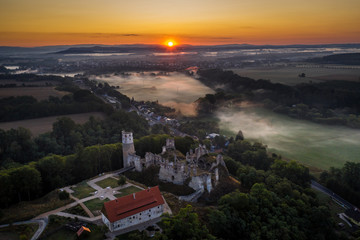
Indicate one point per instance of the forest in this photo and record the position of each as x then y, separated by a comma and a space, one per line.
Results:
344, 181
330, 102
271, 200
21, 181
274, 201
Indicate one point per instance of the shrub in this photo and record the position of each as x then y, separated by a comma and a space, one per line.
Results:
63, 195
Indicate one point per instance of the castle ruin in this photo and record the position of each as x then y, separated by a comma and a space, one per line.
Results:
197, 169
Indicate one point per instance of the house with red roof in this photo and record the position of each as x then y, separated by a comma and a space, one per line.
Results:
133, 209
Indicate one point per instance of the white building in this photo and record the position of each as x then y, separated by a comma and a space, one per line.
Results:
133, 209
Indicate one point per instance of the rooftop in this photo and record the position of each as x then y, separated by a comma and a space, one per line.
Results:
132, 204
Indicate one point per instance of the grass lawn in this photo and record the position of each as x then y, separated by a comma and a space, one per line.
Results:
5, 235
15, 232
127, 191
69, 235
113, 183
38, 126
28, 210
174, 203
125, 236
62, 234
95, 205
82, 190
77, 210
54, 231
335, 209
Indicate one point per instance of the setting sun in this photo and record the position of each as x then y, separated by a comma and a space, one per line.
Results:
170, 44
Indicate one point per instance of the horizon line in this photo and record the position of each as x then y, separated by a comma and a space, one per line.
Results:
185, 44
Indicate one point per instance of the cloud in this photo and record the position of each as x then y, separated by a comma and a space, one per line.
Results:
100, 35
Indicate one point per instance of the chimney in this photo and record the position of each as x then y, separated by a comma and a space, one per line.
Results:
134, 196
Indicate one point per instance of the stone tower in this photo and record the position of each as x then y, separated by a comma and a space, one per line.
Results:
127, 147
170, 143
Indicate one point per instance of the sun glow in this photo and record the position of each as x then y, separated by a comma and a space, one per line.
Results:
170, 43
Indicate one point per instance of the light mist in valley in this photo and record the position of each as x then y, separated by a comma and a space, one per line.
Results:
318, 145
174, 89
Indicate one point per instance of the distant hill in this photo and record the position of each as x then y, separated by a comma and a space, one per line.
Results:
134, 48
161, 48
346, 58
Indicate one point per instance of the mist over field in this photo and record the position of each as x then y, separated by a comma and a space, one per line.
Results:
174, 89
321, 146
290, 75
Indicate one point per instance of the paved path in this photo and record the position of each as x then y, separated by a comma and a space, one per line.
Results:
340, 200
85, 219
101, 193
42, 225
342, 217
82, 205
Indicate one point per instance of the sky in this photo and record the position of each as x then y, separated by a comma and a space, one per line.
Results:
197, 22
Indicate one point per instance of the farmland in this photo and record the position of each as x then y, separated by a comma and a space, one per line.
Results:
40, 93
290, 75
42, 125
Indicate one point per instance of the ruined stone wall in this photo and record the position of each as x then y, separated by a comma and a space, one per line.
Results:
170, 143
201, 182
134, 160
174, 173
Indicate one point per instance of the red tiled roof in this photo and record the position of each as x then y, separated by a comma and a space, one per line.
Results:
127, 206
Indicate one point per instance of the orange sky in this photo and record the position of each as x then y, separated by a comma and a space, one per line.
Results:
50, 22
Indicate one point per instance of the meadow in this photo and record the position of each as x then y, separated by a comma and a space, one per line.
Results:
40, 93
317, 146
290, 75
39, 126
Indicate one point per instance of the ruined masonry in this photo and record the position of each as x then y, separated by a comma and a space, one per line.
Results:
197, 169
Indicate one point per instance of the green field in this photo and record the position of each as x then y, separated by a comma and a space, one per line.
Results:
82, 190
127, 191
14, 232
335, 209
26, 210
315, 145
77, 210
95, 205
55, 231
289, 75
62, 234
39, 126
108, 182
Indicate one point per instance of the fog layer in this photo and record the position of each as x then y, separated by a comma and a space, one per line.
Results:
175, 89
313, 144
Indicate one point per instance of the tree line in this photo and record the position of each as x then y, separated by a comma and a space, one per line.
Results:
27, 107
330, 102
275, 201
344, 181
20, 182
18, 146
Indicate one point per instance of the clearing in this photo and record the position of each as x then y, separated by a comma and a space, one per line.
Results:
76, 210
26, 210
39, 126
108, 182
95, 205
82, 190
127, 191
15, 232
290, 75
40, 93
